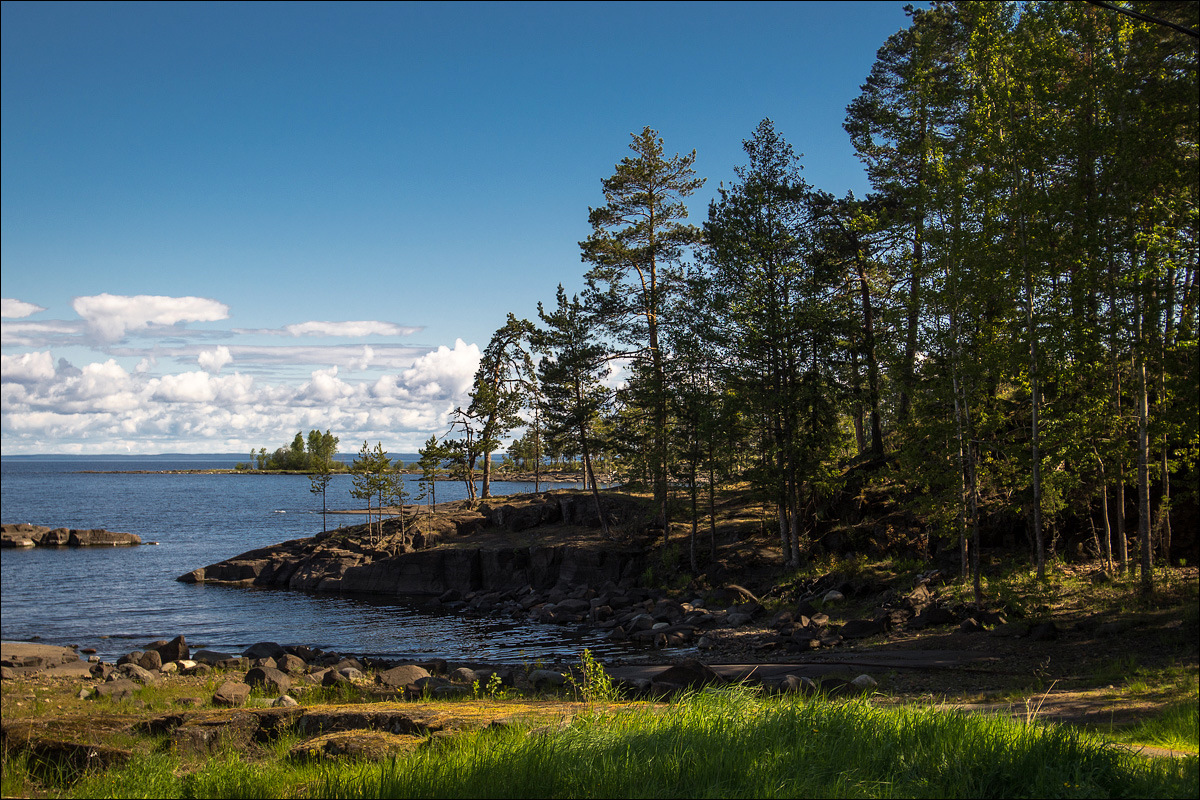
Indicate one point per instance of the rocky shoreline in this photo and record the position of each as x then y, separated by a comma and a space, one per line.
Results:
591, 586
25, 535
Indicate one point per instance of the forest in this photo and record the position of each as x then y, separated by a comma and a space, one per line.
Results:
1003, 330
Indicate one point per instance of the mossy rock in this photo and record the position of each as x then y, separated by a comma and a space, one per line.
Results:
361, 745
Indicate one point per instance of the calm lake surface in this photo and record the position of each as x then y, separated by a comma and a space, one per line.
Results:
116, 599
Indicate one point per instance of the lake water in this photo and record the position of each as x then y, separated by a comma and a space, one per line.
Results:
116, 599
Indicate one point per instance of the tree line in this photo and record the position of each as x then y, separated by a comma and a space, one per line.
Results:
1005, 325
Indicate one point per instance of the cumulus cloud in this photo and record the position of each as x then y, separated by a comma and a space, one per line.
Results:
213, 360
17, 309
27, 367
109, 317
105, 407
443, 372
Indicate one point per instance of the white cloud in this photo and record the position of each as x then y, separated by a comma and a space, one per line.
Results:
106, 408
17, 309
444, 372
46, 333
213, 360
27, 367
352, 329
361, 364
109, 317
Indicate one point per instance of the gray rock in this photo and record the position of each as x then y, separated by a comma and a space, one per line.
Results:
174, 650
211, 657
333, 677
401, 676
464, 675
264, 650
291, 664
833, 596
864, 683
131, 657
352, 673
150, 660
270, 680
798, 684
135, 673
120, 689
231, 693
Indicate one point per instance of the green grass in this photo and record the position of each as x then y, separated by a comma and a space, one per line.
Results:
734, 744
727, 743
1176, 728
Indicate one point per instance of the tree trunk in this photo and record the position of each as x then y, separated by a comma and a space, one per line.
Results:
1147, 578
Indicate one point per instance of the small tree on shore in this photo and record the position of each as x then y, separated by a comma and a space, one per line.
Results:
322, 448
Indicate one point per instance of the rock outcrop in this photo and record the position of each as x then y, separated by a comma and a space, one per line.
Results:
340, 562
25, 535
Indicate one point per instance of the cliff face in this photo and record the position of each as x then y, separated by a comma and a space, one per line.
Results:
296, 565
340, 562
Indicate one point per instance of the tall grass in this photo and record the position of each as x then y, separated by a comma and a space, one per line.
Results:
728, 743
1177, 728
734, 744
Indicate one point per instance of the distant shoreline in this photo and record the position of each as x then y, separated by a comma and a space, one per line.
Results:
520, 478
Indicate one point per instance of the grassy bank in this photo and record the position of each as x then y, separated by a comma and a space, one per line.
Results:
718, 743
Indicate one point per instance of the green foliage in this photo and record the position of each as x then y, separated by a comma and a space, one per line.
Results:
593, 685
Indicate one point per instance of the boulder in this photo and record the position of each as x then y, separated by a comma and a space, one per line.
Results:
863, 628
211, 657
798, 684
174, 650
150, 660
933, 615
464, 675
231, 693
334, 677
864, 683
120, 689
131, 657
136, 673
291, 664
401, 676
264, 650
270, 680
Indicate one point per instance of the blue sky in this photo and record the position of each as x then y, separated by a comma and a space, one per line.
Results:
222, 223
